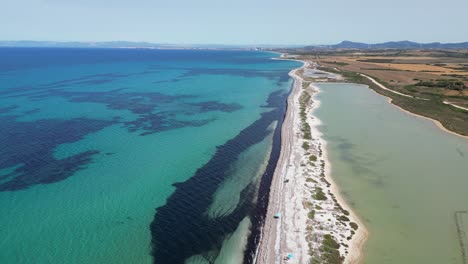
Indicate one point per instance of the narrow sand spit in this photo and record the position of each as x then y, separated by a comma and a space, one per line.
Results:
355, 254
295, 180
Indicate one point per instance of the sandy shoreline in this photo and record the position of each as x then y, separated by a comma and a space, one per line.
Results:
295, 232
436, 122
268, 249
355, 254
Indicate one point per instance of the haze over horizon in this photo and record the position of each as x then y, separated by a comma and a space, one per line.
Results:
241, 23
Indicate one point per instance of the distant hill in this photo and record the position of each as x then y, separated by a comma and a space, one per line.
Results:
392, 45
130, 44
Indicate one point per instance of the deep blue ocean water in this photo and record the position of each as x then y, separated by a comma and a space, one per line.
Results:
136, 155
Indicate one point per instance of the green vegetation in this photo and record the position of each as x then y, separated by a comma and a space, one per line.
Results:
444, 83
337, 63
411, 88
304, 101
343, 218
305, 145
306, 130
313, 158
311, 214
382, 69
319, 195
377, 60
308, 205
451, 54
329, 251
314, 261
353, 225
464, 77
311, 180
330, 242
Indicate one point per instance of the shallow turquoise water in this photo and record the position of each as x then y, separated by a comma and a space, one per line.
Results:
405, 178
95, 140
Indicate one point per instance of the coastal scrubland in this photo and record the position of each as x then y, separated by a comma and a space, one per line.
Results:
315, 224
328, 221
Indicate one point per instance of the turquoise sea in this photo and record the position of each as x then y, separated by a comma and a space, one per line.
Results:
136, 155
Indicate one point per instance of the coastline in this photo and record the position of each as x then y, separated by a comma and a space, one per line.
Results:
268, 248
390, 100
290, 191
355, 254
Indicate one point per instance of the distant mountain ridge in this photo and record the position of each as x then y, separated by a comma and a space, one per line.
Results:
392, 45
130, 44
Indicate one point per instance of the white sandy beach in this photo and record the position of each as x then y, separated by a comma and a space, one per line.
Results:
355, 254
293, 184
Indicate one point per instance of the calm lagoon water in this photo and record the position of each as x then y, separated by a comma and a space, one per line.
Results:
405, 178
135, 156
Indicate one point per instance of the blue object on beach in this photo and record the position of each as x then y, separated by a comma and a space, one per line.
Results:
290, 256
278, 215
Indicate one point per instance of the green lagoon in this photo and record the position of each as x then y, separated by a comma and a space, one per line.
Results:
404, 177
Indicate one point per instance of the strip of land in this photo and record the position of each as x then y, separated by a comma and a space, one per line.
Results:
307, 220
313, 224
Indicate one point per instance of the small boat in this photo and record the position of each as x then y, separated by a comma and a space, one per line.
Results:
278, 215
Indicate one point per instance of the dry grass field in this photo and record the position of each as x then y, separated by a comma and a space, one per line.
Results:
402, 70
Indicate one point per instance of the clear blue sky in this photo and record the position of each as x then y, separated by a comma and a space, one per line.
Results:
236, 21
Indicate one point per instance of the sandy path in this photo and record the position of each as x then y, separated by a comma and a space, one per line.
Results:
390, 90
454, 105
